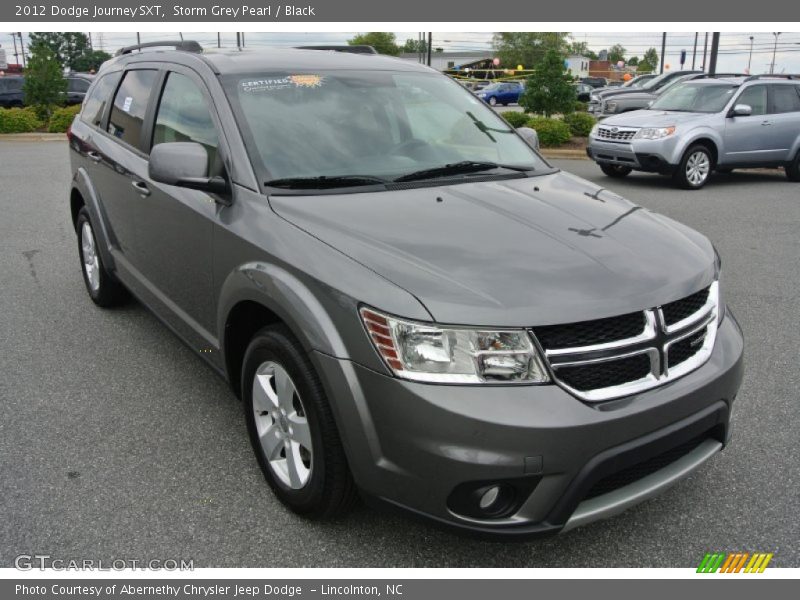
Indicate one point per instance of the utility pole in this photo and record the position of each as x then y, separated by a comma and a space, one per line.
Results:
750, 58
712, 67
138, 40
705, 51
22, 48
238, 41
430, 43
219, 40
694, 52
774, 52
243, 40
663, 49
16, 52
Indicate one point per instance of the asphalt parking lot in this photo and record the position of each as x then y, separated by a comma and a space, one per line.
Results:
117, 442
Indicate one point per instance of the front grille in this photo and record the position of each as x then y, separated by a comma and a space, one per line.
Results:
643, 469
592, 376
608, 133
590, 333
686, 348
686, 307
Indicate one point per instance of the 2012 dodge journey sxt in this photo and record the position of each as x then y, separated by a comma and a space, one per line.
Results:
411, 303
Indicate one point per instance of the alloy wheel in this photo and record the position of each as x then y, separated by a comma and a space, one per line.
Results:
91, 264
698, 166
282, 425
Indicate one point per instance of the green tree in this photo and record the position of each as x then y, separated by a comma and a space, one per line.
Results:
383, 41
528, 48
549, 90
633, 61
67, 47
649, 62
415, 46
45, 86
90, 61
616, 53
581, 49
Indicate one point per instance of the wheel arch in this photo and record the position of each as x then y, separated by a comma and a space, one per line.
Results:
83, 193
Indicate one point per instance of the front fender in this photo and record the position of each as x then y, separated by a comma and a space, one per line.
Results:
695, 135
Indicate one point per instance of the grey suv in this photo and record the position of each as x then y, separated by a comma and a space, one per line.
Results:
704, 125
410, 302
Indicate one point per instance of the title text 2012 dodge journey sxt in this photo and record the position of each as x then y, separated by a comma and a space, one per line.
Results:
411, 303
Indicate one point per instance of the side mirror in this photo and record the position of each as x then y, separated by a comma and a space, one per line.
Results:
742, 110
184, 164
530, 136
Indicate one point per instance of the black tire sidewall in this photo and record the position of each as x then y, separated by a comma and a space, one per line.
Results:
793, 169
617, 171
272, 345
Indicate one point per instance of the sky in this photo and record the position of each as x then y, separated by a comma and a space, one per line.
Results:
733, 56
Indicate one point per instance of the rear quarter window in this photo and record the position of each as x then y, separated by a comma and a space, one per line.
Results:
94, 107
785, 98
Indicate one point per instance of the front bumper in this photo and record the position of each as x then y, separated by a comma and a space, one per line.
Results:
412, 444
656, 156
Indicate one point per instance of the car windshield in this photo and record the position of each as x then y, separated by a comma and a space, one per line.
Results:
371, 124
655, 81
695, 97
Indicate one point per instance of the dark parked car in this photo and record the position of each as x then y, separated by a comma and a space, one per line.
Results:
409, 300
582, 90
11, 91
595, 82
655, 84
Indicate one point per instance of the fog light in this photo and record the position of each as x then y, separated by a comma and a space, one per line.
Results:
489, 497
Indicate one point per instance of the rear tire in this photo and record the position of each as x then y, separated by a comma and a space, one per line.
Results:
291, 427
616, 171
103, 289
694, 169
793, 169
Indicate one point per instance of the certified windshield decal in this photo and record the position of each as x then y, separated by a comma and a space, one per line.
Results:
279, 83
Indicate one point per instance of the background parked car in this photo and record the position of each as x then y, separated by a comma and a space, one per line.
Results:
595, 82
582, 91
653, 85
616, 105
11, 91
502, 93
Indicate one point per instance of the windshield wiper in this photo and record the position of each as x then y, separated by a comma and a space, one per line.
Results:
325, 182
464, 166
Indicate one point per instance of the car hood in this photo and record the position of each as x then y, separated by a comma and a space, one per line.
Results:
639, 96
517, 252
653, 118
608, 92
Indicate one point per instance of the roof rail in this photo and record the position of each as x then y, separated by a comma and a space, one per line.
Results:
185, 46
772, 76
715, 75
356, 49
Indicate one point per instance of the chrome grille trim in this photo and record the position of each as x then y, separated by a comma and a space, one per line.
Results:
655, 341
622, 134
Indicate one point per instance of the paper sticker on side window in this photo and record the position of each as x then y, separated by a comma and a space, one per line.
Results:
126, 105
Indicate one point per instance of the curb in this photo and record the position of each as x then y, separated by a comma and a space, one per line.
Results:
564, 154
33, 137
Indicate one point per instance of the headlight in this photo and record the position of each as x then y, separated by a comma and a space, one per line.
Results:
594, 97
426, 352
593, 132
654, 133
720, 297
611, 107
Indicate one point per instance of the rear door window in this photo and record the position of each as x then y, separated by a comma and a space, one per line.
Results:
130, 106
785, 98
94, 107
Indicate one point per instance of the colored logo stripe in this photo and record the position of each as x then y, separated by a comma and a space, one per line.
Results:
734, 562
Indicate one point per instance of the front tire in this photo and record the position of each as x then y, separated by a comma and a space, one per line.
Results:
616, 171
793, 169
291, 427
694, 169
103, 289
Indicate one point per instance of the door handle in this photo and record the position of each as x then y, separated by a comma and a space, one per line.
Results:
141, 187
94, 156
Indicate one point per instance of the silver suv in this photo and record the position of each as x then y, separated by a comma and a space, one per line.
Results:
699, 126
